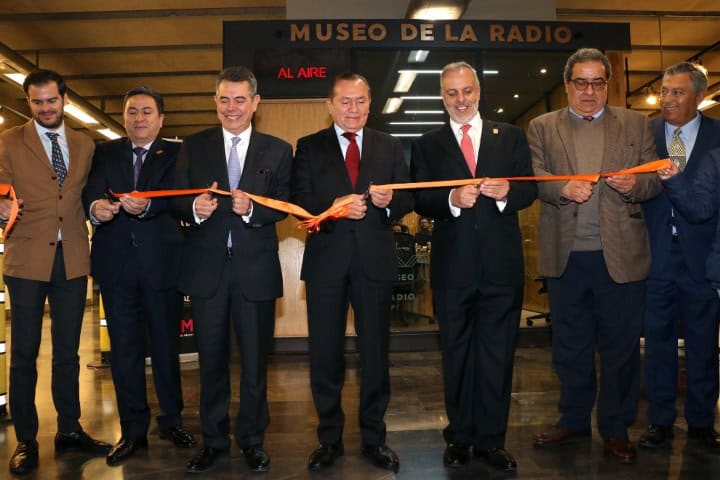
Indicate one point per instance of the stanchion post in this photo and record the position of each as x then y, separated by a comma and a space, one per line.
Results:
104, 338
3, 343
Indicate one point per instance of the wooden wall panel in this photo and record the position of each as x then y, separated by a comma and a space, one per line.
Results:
290, 120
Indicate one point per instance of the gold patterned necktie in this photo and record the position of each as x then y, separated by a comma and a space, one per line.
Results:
676, 150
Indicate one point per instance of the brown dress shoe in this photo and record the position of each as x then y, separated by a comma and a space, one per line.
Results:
557, 435
621, 448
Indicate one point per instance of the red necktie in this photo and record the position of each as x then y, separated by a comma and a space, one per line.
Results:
467, 149
352, 158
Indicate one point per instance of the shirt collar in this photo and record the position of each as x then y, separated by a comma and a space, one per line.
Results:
690, 129
594, 115
339, 132
244, 135
42, 130
475, 122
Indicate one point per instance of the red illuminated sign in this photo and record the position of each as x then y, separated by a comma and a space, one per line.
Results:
303, 72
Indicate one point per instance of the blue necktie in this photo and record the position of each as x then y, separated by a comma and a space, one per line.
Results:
57, 158
137, 165
234, 167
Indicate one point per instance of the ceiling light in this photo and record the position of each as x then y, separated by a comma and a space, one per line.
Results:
651, 98
707, 103
500, 110
543, 71
404, 81
421, 97
516, 96
79, 114
392, 105
424, 112
2, 119
436, 9
109, 134
490, 72
416, 123
417, 56
18, 78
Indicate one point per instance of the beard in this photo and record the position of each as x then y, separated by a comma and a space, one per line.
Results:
51, 124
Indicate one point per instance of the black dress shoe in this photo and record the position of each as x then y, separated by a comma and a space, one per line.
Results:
178, 436
257, 458
326, 455
204, 459
706, 437
124, 449
382, 456
25, 458
497, 457
656, 436
456, 456
81, 442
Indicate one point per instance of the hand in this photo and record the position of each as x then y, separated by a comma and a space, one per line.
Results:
381, 198
668, 172
357, 208
241, 202
465, 196
495, 189
206, 204
133, 206
105, 210
6, 208
621, 183
578, 191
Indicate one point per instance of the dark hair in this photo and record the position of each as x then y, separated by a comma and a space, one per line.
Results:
141, 90
42, 77
347, 76
586, 55
238, 73
698, 75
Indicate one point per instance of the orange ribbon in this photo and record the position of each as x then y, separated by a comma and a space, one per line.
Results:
7, 190
339, 210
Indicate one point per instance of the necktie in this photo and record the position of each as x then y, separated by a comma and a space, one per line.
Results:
137, 165
234, 167
352, 158
676, 149
467, 149
57, 158
589, 118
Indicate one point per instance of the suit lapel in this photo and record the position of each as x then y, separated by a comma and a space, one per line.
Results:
34, 144
154, 160
216, 160
488, 139
566, 138
612, 150
334, 162
453, 153
253, 156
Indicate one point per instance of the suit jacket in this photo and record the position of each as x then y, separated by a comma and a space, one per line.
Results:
156, 233
30, 246
255, 262
482, 244
623, 234
695, 239
320, 176
698, 199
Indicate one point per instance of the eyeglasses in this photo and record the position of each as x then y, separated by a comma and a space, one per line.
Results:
581, 84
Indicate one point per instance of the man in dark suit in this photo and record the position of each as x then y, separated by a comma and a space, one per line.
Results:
46, 256
230, 266
350, 261
595, 253
678, 288
476, 264
134, 258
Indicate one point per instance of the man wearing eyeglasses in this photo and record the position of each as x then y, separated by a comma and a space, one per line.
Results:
594, 252
678, 288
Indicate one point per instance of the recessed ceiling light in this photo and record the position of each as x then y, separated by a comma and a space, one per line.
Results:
18, 78
392, 105
424, 112
110, 134
543, 71
404, 81
516, 96
500, 110
417, 56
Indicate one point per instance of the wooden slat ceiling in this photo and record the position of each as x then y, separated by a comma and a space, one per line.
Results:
105, 48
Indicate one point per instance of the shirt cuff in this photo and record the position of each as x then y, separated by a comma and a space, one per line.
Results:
92, 218
198, 220
454, 211
246, 218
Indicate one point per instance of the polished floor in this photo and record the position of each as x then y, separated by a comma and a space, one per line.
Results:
415, 419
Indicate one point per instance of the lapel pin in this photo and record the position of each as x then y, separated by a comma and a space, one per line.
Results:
158, 152
496, 131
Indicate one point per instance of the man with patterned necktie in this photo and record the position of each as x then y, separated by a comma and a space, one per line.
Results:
134, 260
46, 256
679, 291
